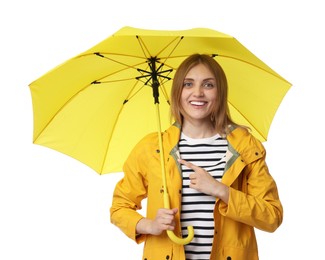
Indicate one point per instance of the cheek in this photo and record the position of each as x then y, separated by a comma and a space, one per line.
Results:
213, 96
213, 103
184, 96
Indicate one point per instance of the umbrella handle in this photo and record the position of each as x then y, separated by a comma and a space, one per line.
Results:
190, 229
171, 234
181, 241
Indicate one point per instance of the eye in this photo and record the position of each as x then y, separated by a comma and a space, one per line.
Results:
187, 84
208, 84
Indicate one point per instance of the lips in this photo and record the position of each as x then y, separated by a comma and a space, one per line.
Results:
198, 103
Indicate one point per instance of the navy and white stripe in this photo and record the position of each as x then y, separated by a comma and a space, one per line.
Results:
197, 208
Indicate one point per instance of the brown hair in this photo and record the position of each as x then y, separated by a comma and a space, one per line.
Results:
220, 117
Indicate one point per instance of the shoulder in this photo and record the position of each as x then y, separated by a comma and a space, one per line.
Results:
242, 140
150, 141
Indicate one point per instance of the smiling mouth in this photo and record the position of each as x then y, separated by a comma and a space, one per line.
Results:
198, 103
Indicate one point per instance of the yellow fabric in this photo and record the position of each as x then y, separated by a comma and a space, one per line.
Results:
91, 123
253, 202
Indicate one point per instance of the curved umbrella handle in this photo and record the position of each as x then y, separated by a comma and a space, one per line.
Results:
181, 241
171, 234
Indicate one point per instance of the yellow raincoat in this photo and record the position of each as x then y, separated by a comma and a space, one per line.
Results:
253, 201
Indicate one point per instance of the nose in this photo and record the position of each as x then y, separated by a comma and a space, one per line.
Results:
198, 91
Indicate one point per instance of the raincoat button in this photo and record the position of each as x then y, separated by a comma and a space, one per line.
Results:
256, 153
228, 257
167, 257
157, 151
180, 191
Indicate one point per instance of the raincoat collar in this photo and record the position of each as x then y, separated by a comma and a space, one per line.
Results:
238, 139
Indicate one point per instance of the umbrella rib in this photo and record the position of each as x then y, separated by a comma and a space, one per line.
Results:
252, 64
109, 140
146, 52
143, 47
58, 111
112, 81
100, 54
172, 57
131, 96
114, 126
166, 58
118, 62
238, 111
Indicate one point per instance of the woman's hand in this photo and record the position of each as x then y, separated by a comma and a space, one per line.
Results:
164, 220
203, 182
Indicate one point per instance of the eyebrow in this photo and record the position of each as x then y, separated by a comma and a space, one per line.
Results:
203, 79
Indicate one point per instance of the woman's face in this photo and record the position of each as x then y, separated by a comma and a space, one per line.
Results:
199, 94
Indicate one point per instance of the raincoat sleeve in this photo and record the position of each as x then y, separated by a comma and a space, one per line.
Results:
128, 194
257, 203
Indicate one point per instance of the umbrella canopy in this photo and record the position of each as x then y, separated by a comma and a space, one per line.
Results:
96, 106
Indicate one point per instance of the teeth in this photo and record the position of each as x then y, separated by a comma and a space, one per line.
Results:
197, 103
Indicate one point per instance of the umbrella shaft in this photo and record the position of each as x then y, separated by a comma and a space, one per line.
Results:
155, 83
155, 93
162, 159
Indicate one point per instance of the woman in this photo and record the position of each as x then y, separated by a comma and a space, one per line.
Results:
218, 180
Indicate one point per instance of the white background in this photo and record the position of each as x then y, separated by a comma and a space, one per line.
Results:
53, 207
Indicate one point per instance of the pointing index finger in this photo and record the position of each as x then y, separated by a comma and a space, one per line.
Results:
187, 164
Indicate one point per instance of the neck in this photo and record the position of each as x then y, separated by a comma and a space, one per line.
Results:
198, 129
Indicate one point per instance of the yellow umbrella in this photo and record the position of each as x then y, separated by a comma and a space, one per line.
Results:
96, 106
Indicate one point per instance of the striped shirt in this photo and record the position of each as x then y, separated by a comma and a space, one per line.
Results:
197, 208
